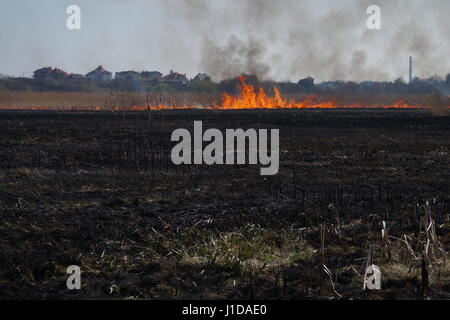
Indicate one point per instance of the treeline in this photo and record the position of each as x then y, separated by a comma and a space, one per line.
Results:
85, 85
431, 85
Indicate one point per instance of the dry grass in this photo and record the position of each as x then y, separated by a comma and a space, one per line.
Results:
85, 100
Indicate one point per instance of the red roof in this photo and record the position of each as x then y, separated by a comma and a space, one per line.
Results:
99, 70
49, 72
174, 76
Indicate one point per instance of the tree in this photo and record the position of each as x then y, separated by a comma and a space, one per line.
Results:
203, 86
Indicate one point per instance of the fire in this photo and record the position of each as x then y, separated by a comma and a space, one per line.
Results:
248, 98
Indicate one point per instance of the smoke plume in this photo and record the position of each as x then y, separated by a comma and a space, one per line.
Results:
329, 40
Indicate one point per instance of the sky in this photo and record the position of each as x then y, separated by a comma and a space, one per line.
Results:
283, 40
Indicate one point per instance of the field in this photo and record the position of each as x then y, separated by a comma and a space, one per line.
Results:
99, 190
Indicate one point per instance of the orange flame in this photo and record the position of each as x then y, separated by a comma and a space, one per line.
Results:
248, 98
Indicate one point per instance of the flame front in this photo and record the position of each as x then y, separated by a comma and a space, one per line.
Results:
248, 98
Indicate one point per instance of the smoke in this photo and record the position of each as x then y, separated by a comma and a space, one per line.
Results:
277, 40
328, 40
234, 58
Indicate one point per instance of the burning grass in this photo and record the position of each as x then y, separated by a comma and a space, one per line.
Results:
249, 97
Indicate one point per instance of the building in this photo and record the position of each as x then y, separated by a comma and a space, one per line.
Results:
49, 73
175, 77
307, 83
410, 70
151, 76
202, 77
99, 74
128, 76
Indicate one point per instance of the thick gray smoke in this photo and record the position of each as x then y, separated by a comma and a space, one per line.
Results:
274, 39
234, 58
328, 40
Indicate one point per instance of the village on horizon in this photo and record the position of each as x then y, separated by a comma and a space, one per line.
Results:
101, 74
56, 79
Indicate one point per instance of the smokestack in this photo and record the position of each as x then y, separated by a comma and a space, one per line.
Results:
410, 69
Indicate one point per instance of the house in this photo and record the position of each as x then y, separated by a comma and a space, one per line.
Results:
128, 76
151, 75
175, 77
307, 83
202, 77
49, 73
99, 74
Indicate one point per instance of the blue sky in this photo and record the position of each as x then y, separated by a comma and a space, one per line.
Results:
284, 40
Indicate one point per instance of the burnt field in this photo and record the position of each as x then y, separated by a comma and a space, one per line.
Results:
99, 190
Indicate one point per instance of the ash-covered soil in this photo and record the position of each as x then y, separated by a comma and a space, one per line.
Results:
98, 190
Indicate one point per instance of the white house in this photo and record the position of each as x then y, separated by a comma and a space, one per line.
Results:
202, 77
175, 77
99, 74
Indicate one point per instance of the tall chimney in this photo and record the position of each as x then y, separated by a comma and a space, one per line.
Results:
410, 69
